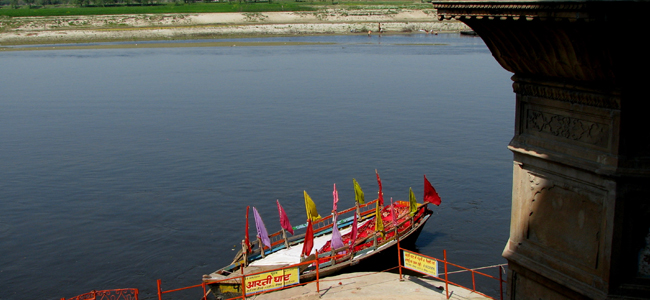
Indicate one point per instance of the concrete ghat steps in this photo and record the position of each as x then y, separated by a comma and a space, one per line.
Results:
368, 286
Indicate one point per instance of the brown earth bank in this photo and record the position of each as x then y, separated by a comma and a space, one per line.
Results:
78, 29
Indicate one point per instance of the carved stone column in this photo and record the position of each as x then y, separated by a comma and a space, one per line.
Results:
581, 180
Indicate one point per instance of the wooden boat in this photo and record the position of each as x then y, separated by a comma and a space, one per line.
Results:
401, 221
469, 32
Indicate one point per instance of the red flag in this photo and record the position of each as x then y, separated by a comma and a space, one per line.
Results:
380, 195
284, 220
309, 240
353, 236
247, 240
430, 194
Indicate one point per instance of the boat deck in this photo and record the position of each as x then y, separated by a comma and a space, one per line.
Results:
280, 258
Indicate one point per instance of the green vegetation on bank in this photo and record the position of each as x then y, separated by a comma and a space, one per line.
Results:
29, 8
150, 9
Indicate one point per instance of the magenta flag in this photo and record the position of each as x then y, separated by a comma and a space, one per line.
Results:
430, 194
337, 240
261, 229
284, 220
336, 199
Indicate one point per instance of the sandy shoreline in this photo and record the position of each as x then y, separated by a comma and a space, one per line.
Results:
76, 29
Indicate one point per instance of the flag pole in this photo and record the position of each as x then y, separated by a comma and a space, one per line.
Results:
261, 246
246, 244
380, 193
284, 236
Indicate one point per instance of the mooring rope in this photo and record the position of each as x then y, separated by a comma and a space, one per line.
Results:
480, 268
501, 266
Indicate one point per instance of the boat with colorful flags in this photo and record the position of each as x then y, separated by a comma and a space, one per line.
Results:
339, 240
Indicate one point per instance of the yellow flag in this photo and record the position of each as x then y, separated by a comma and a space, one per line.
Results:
379, 223
358, 193
413, 203
312, 214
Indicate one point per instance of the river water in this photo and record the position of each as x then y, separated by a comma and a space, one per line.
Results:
122, 166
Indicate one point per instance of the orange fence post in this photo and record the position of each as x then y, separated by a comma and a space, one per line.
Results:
317, 275
399, 260
205, 294
159, 290
500, 283
243, 283
444, 253
473, 282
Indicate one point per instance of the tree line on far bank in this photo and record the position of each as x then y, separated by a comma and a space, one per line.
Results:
103, 3
32, 8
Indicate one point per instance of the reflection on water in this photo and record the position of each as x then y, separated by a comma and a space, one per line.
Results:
123, 166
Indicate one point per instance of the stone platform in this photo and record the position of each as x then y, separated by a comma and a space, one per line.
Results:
367, 285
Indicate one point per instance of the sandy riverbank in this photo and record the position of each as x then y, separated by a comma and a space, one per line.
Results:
75, 29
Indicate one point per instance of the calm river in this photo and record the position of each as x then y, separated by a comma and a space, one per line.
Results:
123, 166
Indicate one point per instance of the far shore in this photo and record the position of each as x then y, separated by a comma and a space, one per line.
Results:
113, 28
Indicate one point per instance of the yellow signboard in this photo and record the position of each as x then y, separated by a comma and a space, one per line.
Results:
420, 263
271, 280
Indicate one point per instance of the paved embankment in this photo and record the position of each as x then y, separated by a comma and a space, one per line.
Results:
368, 286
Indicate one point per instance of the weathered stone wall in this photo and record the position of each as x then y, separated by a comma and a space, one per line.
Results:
580, 205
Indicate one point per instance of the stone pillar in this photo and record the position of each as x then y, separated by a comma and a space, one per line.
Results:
580, 225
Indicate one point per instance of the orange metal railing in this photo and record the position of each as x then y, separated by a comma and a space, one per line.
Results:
117, 294
446, 263
242, 278
243, 282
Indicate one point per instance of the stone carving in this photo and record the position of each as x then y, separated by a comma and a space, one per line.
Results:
567, 127
566, 95
530, 11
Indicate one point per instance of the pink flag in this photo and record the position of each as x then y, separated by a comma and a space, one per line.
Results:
309, 239
337, 240
380, 195
261, 229
284, 220
336, 199
430, 194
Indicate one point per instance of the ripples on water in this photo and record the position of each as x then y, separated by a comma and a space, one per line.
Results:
123, 166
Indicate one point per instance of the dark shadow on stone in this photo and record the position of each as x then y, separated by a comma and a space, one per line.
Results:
417, 280
326, 290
